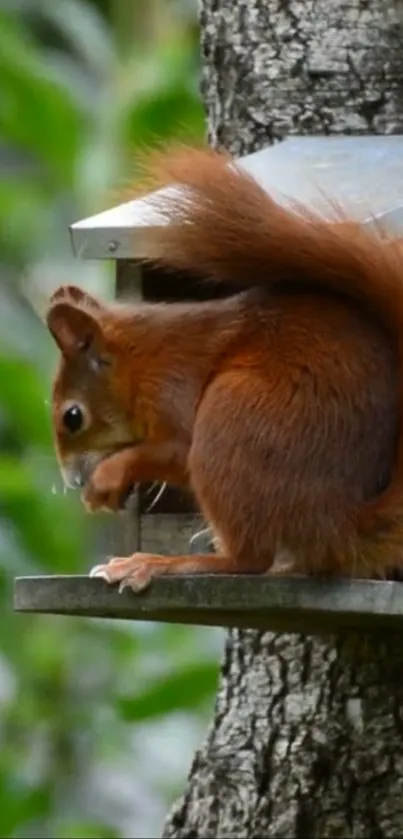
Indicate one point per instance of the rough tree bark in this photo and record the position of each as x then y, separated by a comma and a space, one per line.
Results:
307, 736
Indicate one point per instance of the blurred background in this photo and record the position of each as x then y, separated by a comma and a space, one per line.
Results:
98, 719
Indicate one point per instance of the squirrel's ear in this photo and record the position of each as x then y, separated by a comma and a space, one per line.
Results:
76, 331
75, 295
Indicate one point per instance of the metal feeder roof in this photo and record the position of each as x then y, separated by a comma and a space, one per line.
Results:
364, 174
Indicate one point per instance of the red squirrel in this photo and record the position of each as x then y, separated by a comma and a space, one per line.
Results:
279, 407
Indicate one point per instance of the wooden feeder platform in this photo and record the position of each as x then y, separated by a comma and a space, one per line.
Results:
281, 604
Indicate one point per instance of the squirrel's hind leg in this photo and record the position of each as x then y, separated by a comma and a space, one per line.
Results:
231, 471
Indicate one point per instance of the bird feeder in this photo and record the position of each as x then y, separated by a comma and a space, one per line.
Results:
365, 176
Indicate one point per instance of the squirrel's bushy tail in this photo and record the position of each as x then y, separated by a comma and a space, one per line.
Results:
222, 226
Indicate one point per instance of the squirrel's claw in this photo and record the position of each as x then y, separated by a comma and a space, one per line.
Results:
98, 496
100, 571
135, 572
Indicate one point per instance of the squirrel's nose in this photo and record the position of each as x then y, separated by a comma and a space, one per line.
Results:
73, 478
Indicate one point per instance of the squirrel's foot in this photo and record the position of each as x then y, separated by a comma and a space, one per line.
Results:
285, 564
137, 571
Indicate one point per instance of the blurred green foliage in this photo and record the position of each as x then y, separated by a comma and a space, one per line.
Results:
98, 719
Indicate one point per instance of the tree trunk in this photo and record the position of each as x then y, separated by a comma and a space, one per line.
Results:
307, 736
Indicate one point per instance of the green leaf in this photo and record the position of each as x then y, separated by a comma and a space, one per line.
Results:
86, 30
85, 830
186, 689
35, 113
23, 400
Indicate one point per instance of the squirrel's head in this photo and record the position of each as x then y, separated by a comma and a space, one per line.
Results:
89, 416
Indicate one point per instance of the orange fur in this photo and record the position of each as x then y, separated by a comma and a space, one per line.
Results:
280, 408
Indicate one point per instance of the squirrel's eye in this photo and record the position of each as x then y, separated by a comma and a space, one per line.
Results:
73, 419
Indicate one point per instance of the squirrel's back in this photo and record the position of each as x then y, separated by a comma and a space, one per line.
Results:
333, 370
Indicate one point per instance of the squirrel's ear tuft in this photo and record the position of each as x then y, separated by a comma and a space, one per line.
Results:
76, 331
74, 294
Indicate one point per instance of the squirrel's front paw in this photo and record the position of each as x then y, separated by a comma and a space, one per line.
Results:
108, 487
